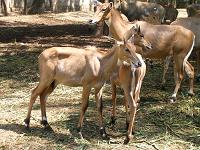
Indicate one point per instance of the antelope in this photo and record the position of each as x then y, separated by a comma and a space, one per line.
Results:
191, 23
130, 79
166, 40
79, 67
136, 10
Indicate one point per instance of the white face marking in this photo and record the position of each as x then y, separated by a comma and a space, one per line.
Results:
26, 125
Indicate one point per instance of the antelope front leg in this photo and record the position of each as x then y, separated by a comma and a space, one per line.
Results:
98, 97
127, 113
133, 109
84, 105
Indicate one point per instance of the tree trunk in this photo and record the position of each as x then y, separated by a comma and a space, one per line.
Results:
51, 5
4, 7
37, 7
25, 7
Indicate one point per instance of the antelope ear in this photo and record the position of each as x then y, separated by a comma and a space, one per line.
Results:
111, 4
134, 28
138, 29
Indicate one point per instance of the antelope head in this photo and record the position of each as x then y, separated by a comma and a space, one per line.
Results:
102, 12
127, 53
137, 37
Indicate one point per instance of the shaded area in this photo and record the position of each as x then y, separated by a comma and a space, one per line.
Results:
20, 62
40, 132
8, 34
20, 66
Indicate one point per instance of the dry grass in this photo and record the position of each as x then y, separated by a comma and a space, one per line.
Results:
159, 125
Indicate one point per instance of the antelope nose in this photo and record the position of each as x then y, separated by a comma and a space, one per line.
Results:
90, 21
149, 46
139, 64
136, 64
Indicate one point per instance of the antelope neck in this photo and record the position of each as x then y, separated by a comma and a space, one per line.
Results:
109, 61
116, 24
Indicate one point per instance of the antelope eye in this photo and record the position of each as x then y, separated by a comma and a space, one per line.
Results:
104, 9
127, 50
142, 35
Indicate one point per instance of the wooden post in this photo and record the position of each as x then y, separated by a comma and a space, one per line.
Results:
5, 11
25, 7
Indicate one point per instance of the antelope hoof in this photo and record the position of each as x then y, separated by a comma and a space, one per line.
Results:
103, 134
127, 140
27, 123
172, 99
79, 133
46, 125
112, 120
48, 128
191, 94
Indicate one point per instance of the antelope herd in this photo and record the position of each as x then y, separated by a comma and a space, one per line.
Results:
123, 65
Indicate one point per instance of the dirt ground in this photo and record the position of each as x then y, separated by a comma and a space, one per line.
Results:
159, 125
